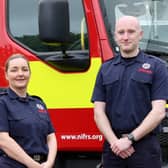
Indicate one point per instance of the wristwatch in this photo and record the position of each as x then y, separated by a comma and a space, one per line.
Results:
131, 137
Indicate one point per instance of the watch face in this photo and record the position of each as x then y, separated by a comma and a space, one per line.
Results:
131, 137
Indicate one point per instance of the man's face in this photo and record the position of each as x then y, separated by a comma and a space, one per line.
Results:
127, 35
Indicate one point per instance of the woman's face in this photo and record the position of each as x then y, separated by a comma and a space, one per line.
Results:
18, 73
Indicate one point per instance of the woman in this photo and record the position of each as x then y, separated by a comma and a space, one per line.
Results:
27, 138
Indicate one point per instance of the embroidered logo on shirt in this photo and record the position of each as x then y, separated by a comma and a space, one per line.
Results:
41, 108
145, 68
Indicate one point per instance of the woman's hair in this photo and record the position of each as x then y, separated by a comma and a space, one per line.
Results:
14, 56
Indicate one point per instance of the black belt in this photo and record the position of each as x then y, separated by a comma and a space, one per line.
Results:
39, 157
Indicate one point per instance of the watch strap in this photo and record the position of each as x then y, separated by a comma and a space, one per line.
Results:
131, 137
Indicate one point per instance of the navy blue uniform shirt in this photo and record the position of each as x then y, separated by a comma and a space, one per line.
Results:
128, 87
26, 120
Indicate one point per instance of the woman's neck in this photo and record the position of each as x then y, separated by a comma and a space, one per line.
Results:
21, 92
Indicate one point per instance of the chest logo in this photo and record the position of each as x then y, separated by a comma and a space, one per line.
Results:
146, 66
40, 108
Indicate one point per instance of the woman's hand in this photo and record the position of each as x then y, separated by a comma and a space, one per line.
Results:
46, 165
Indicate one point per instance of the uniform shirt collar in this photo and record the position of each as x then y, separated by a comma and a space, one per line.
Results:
139, 58
13, 95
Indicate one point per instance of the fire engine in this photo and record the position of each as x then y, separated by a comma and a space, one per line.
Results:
66, 41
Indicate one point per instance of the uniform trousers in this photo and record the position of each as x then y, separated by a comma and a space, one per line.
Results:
147, 154
6, 162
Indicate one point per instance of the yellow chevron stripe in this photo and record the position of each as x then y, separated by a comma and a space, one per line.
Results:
63, 90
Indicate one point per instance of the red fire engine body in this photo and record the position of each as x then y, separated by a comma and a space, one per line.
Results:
64, 71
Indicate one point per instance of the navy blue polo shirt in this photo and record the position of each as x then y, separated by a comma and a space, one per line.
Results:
128, 87
26, 120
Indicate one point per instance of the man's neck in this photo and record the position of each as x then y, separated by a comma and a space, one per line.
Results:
129, 54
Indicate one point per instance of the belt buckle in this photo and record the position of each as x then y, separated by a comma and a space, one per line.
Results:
37, 158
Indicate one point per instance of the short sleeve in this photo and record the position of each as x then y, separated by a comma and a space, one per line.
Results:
4, 126
160, 83
99, 93
50, 125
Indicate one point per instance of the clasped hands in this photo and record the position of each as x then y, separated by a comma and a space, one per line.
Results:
122, 147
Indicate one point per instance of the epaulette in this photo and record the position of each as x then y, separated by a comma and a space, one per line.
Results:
3, 92
37, 97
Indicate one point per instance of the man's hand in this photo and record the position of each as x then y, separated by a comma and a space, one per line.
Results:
122, 147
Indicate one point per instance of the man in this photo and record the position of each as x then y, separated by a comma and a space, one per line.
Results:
129, 98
